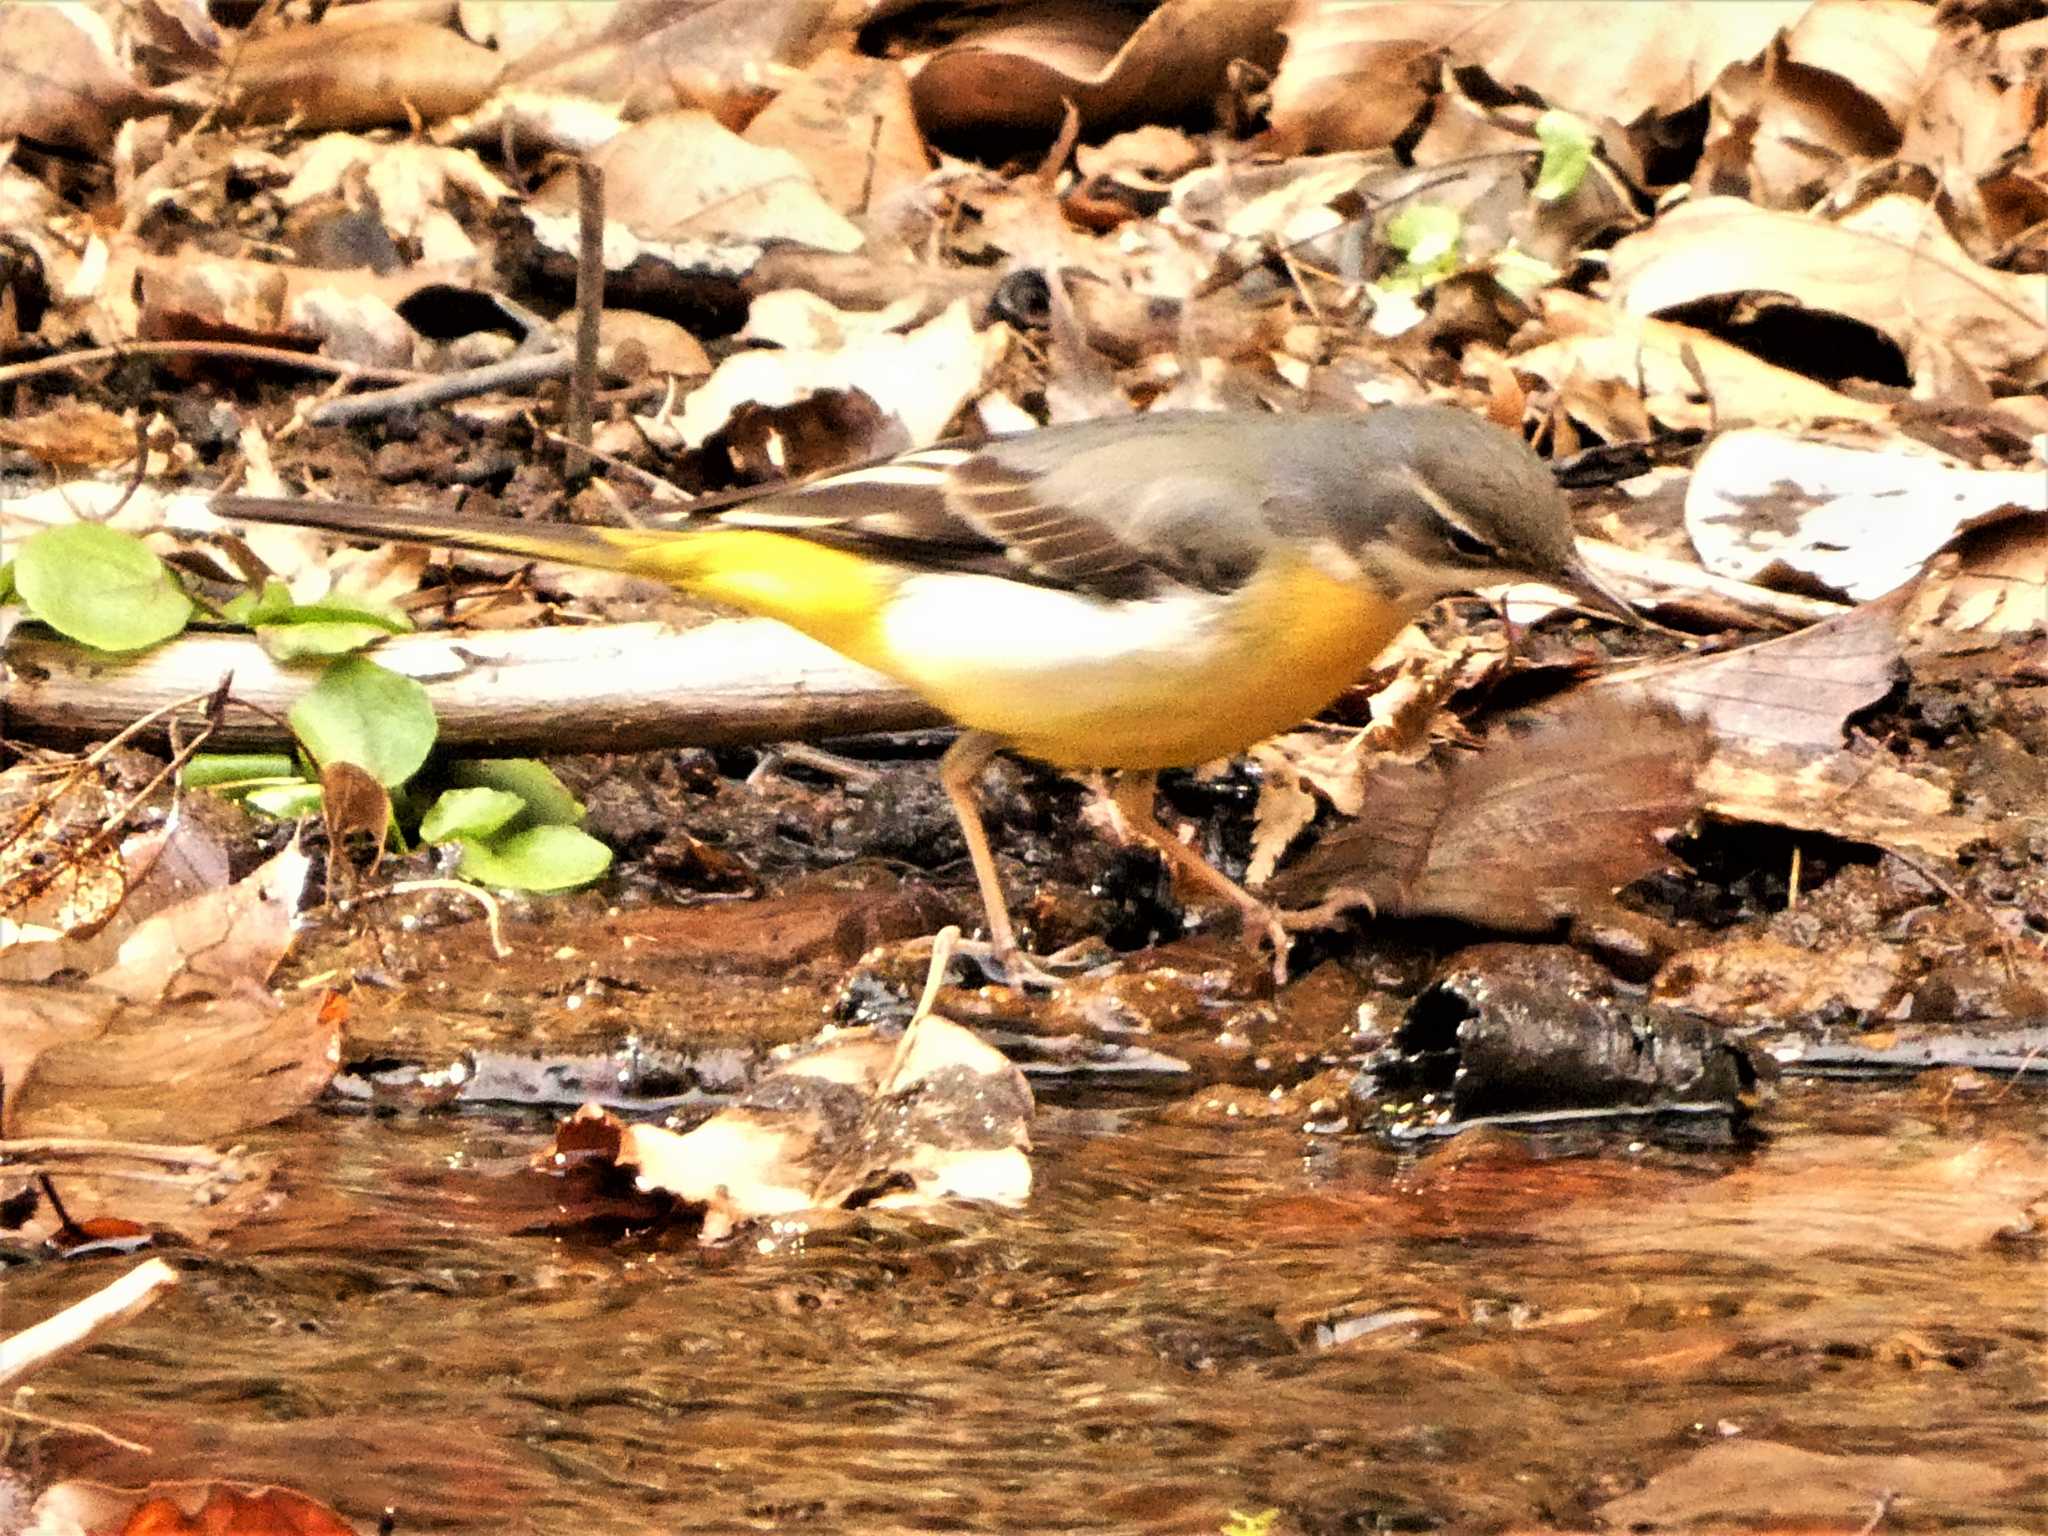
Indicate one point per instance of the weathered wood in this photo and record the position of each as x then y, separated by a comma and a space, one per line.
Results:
596, 688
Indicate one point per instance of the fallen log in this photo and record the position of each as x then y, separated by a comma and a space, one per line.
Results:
590, 688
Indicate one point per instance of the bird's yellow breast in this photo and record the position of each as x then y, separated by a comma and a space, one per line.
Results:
1158, 683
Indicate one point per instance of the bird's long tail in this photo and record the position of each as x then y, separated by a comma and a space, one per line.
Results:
830, 594
571, 543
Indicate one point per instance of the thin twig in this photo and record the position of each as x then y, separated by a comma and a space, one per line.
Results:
418, 393
589, 311
79, 1324
483, 898
74, 1427
243, 350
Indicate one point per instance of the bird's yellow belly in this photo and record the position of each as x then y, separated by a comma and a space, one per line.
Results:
1165, 683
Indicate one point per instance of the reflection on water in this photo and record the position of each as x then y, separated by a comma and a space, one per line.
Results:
1184, 1322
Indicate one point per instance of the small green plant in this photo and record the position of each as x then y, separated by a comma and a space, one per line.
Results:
516, 824
1567, 155
1242, 1524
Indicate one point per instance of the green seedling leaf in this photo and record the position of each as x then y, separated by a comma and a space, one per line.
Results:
1426, 234
100, 587
1522, 274
1567, 154
6, 581
252, 608
302, 642
209, 770
287, 802
364, 714
548, 801
478, 814
538, 859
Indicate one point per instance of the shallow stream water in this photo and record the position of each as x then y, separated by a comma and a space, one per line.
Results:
1186, 1321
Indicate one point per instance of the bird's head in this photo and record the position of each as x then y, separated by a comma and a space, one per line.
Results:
1443, 501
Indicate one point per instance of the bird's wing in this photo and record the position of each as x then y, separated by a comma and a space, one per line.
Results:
1064, 506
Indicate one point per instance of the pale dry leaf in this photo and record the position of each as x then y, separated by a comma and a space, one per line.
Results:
415, 189
149, 871
1857, 797
797, 320
189, 1071
1994, 583
1857, 521
1649, 58
728, 57
519, 28
848, 119
1284, 811
920, 378
683, 175
1888, 264
951, 1122
1599, 342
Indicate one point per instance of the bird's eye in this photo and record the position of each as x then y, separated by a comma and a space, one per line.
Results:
1468, 546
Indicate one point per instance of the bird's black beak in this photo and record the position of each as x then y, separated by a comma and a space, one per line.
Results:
1578, 579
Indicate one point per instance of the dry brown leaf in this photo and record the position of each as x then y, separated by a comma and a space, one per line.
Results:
1648, 58
1889, 264
340, 76
1782, 133
1881, 47
1600, 344
73, 434
1014, 77
1794, 691
848, 119
1777, 712
1980, 123
1735, 1482
353, 803
904, 1122
1532, 829
660, 345
220, 943
87, 1064
62, 77
1858, 522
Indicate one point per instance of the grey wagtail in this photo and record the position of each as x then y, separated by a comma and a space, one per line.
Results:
1133, 594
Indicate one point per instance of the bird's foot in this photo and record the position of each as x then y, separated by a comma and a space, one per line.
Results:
1269, 924
1014, 967
1011, 966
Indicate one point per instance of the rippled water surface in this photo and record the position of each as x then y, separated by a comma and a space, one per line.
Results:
1186, 1321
